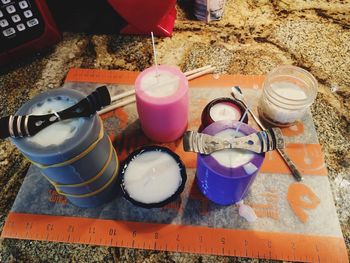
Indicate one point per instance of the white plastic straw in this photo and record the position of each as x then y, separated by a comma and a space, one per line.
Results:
247, 108
193, 71
117, 105
241, 121
154, 54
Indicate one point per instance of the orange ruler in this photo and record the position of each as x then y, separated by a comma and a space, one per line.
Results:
177, 238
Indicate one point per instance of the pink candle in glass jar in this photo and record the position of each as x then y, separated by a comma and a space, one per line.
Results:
162, 102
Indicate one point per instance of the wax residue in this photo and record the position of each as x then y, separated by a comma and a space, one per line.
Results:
224, 111
152, 177
289, 90
231, 158
246, 212
162, 85
250, 168
56, 133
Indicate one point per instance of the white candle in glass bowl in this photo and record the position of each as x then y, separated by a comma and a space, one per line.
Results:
152, 177
224, 111
231, 158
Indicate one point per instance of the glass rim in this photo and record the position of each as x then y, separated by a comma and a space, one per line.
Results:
289, 101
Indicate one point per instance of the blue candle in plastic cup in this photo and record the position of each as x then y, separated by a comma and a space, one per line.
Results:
75, 155
225, 176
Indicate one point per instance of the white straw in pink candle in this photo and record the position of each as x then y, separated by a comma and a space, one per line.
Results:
154, 53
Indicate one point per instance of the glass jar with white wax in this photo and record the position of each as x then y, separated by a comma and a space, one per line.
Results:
75, 155
288, 91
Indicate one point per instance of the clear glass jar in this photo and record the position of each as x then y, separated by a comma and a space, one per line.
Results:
288, 91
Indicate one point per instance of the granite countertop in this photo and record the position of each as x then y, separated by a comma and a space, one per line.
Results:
252, 38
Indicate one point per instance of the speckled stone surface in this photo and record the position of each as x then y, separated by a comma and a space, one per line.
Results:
253, 37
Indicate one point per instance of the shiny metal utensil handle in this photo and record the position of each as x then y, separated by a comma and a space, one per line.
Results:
295, 172
292, 167
259, 142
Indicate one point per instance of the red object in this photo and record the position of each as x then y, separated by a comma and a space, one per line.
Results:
50, 36
146, 16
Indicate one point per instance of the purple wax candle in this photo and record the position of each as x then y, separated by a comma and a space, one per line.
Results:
224, 176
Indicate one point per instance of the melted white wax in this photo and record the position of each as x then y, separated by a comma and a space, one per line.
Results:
246, 212
289, 90
152, 177
231, 158
223, 111
58, 132
160, 84
250, 168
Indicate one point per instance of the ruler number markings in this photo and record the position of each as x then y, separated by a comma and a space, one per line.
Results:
70, 229
49, 227
92, 230
112, 232
10, 224
134, 233
52, 231
246, 247
29, 226
200, 239
222, 241
293, 246
269, 244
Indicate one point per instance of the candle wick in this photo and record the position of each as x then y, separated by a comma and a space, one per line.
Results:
247, 109
243, 117
155, 56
